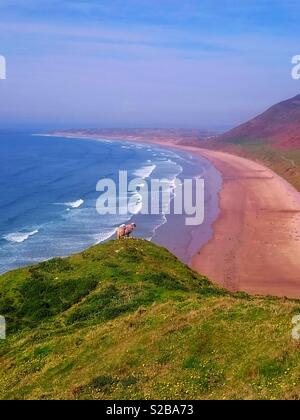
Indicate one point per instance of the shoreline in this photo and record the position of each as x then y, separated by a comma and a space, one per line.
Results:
255, 245
192, 238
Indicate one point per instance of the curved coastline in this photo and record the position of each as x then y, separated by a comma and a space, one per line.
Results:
172, 227
255, 245
64, 219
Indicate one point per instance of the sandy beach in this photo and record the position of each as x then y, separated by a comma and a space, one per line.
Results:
256, 242
255, 245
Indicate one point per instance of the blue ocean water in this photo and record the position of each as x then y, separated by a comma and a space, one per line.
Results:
48, 192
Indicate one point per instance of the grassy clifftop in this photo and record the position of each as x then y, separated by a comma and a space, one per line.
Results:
127, 320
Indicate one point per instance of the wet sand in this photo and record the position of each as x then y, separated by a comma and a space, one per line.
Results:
185, 241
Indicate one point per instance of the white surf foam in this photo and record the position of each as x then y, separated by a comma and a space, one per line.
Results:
75, 204
19, 237
162, 221
144, 172
101, 237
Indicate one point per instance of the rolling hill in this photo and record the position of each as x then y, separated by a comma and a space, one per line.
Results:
272, 138
279, 125
127, 320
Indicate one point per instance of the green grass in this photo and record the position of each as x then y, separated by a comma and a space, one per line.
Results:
285, 163
127, 320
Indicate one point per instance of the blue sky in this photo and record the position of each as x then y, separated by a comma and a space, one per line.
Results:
131, 63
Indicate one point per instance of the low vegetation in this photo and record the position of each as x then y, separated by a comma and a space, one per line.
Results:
285, 162
127, 320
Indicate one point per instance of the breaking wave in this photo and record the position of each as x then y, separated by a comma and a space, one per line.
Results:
19, 237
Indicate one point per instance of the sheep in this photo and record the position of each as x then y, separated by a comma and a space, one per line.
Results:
124, 231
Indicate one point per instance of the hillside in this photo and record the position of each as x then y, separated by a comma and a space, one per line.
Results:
279, 125
128, 320
273, 138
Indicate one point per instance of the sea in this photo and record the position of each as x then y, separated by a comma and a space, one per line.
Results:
48, 194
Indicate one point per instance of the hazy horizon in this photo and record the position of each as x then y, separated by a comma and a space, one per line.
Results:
182, 64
